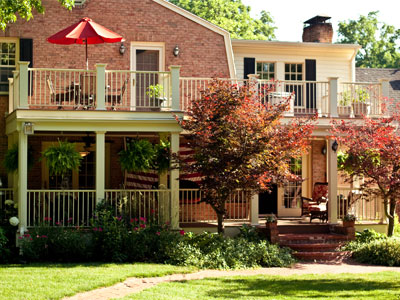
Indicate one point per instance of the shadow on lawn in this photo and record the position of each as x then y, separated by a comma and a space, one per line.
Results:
61, 265
344, 286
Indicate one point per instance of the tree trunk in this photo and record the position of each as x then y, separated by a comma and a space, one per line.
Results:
220, 218
392, 209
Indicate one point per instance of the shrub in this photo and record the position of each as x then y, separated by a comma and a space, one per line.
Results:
379, 252
368, 235
3, 243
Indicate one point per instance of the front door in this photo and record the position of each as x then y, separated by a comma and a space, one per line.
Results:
267, 201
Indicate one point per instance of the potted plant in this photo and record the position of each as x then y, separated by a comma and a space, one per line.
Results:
62, 158
138, 156
156, 95
271, 222
11, 159
344, 107
349, 220
359, 102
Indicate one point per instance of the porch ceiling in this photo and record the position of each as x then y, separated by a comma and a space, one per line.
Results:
94, 121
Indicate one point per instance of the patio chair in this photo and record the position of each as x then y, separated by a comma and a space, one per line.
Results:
55, 97
115, 96
320, 195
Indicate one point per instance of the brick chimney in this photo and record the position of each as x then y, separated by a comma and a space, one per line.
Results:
317, 30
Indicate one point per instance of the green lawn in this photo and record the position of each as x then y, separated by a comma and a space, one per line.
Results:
385, 285
54, 281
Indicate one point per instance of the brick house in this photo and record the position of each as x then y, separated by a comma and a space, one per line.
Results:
104, 106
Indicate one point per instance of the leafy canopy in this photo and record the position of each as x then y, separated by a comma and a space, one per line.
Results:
380, 42
24, 8
233, 16
240, 143
373, 153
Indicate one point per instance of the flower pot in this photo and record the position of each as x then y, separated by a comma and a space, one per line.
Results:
344, 111
348, 223
360, 109
271, 225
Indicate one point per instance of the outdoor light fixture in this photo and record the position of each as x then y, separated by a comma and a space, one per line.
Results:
335, 146
122, 48
176, 51
28, 128
84, 153
323, 150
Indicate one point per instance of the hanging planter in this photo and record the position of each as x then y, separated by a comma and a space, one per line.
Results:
11, 159
138, 156
62, 158
162, 156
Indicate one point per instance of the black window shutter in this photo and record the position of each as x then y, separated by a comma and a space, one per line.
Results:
249, 66
26, 54
311, 70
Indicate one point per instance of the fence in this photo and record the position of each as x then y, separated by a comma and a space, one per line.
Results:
60, 207
193, 210
364, 207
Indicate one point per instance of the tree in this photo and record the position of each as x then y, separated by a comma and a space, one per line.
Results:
372, 150
240, 143
233, 16
379, 41
10, 8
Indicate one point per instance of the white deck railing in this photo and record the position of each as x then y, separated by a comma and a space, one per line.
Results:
154, 205
60, 207
193, 210
364, 207
359, 98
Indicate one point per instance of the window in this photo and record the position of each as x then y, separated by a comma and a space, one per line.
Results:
294, 72
266, 70
292, 190
8, 60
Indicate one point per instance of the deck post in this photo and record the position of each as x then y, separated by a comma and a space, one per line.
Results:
332, 183
100, 86
333, 96
174, 183
22, 180
254, 210
10, 95
23, 84
100, 165
164, 207
175, 75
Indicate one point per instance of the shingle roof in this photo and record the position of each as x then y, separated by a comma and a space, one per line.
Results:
373, 75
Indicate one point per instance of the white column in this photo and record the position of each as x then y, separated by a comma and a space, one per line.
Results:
332, 183
22, 180
254, 210
174, 183
100, 165
100, 86
333, 95
23, 84
175, 75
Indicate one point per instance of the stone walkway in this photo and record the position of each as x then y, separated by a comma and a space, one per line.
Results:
135, 285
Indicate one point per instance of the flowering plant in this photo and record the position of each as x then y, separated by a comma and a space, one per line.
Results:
14, 221
271, 219
349, 218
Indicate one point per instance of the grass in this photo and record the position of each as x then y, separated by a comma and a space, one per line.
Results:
55, 281
384, 285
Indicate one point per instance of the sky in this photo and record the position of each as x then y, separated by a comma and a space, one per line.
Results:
289, 15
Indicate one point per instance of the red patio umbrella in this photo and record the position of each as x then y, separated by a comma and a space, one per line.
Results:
85, 32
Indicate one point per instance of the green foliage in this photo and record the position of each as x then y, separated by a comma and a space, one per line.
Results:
155, 91
3, 243
380, 252
11, 159
24, 8
363, 238
162, 157
62, 158
233, 16
349, 218
249, 233
138, 156
379, 41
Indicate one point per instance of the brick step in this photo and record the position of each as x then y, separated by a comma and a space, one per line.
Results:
322, 256
290, 238
320, 247
304, 229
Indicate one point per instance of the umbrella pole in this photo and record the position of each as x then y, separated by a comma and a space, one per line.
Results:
87, 61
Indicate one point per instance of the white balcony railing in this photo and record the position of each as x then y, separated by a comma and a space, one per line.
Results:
60, 207
364, 207
193, 210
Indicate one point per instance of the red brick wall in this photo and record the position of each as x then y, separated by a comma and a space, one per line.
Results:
318, 162
202, 51
318, 33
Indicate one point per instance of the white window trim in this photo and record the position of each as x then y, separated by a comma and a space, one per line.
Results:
16, 41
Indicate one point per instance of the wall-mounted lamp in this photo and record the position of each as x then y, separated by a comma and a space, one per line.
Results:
29, 128
176, 51
122, 48
323, 150
335, 146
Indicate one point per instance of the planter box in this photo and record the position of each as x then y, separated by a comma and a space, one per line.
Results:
360, 109
344, 111
348, 223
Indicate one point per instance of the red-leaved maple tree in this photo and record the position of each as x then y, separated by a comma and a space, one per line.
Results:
372, 149
240, 143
